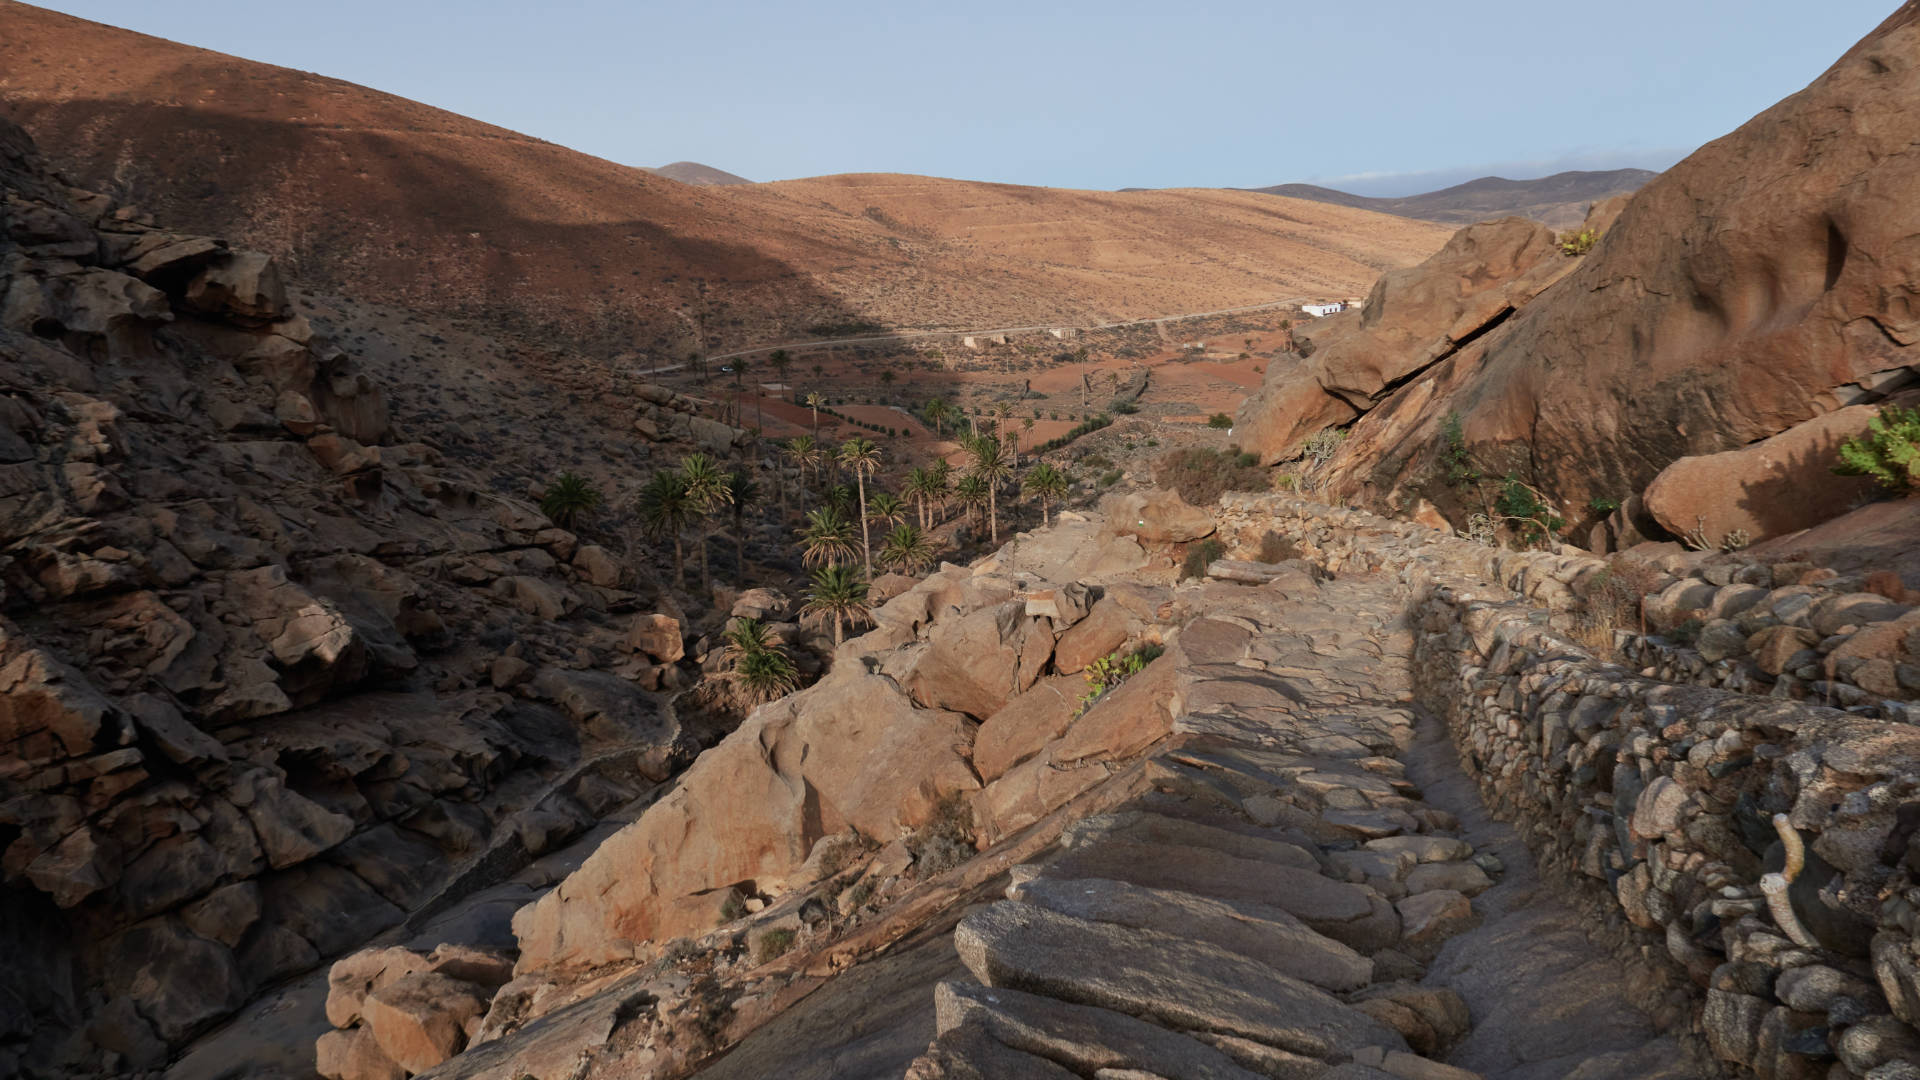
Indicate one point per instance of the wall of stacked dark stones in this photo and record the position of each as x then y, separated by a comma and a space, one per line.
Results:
1666, 806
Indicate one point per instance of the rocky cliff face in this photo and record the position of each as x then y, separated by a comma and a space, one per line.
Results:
1763, 283
273, 676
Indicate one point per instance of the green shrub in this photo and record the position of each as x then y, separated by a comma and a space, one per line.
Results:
1220, 421
773, 944
1531, 518
1110, 477
1199, 557
1323, 443
1602, 505
1889, 451
1276, 548
1125, 408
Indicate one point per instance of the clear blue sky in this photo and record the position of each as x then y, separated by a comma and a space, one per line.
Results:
1387, 97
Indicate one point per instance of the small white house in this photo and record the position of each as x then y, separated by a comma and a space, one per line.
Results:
1321, 311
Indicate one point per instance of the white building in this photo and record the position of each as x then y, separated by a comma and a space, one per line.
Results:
1321, 311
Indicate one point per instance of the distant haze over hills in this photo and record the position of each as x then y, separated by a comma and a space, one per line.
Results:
692, 172
1559, 200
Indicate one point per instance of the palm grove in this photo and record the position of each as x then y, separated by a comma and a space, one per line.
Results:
849, 524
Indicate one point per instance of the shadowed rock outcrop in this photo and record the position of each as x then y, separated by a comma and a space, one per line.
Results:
239, 732
1765, 281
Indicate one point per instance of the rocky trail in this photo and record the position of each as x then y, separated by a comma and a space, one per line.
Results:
1375, 808
1396, 926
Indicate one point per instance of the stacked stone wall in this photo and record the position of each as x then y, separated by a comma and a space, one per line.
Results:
1675, 809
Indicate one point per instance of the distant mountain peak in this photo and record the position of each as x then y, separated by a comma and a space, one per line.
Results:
1560, 200
692, 172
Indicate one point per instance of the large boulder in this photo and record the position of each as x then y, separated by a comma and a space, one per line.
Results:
1413, 318
1155, 517
850, 752
975, 663
1773, 487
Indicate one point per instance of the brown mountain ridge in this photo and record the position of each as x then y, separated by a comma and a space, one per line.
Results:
1560, 200
363, 192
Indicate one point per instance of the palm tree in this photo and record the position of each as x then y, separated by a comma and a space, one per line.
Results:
1026, 426
863, 458
838, 594
942, 471
840, 497
781, 362
742, 491
804, 454
971, 493
886, 377
748, 635
708, 489
826, 539
1045, 483
570, 497
990, 465
906, 550
740, 366
886, 509
665, 511
813, 402
935, 410
761, 670
920, 487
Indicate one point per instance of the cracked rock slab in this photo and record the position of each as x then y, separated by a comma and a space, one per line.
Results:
1253, 930
1173, 981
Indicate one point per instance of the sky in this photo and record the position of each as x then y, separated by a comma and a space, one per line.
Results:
1383, 98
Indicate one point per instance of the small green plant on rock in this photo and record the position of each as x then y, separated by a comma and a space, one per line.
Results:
1454, 458
568, 499
1113, 669
1602, 505
1578, 243
1220, 421
1889, 451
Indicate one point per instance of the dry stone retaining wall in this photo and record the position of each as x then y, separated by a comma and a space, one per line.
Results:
1658, 801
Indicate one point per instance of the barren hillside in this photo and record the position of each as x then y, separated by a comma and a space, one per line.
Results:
368, 193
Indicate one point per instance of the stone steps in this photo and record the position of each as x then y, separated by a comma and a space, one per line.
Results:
1270, 909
